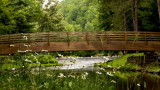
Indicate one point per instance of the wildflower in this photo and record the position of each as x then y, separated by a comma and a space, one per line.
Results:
17, 75
83, 76
118, 67
98, 72
49, 75
113, 81
109, 66
13, 69
44, 50
28, 50
11, 45
38, 62
27, 45
36, 53
102, 68
138, 85
58, 67
59, 55
21, 51
86, 73
61, 75
25, 37
29, 61
108, 73
71, 76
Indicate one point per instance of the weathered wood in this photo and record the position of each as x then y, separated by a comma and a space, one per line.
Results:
82, 45
109, 40
48, 38
87, 38
68, 40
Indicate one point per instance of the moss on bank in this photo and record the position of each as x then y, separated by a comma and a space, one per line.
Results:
122, 64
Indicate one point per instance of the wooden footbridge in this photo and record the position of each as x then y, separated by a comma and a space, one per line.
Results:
75, 41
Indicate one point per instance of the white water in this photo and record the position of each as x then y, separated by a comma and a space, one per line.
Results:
80, 63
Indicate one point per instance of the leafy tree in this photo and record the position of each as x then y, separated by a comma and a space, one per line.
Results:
80, 12
148, 16
116, 15
89, 27
7, 22
50, 20
19, 16
27, 13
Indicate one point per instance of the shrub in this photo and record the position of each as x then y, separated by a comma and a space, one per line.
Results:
53, 60
45, 59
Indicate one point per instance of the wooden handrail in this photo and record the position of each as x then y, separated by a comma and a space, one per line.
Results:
82, 36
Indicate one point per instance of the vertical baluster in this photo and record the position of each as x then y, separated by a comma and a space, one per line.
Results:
87, 38
126, 37
145, 38
68, 38
28, 38
48, 38
9, 37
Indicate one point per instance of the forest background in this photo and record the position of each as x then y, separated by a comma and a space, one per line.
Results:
29, 16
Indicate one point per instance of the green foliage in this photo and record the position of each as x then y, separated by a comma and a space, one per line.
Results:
111, 15
121, 63
51, 20
19, 16
80, 15
7, 22
148, 16
45, 59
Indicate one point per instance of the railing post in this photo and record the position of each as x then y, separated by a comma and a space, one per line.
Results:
9, 40
107, 38
28, 38
87, 38
146, 38
126, 37
48, 38
68, 38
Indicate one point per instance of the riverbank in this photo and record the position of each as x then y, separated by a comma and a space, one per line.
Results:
27, 61
122, 65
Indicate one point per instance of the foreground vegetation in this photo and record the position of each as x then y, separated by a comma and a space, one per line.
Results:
71, 80
28, 60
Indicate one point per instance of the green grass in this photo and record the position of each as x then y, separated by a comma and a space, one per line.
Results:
121, 63
154, 68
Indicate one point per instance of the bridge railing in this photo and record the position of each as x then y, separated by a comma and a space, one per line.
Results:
79, 36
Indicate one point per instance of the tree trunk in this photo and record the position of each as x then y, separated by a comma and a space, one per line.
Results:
136, 15
133, 13
158, 4
124, 22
